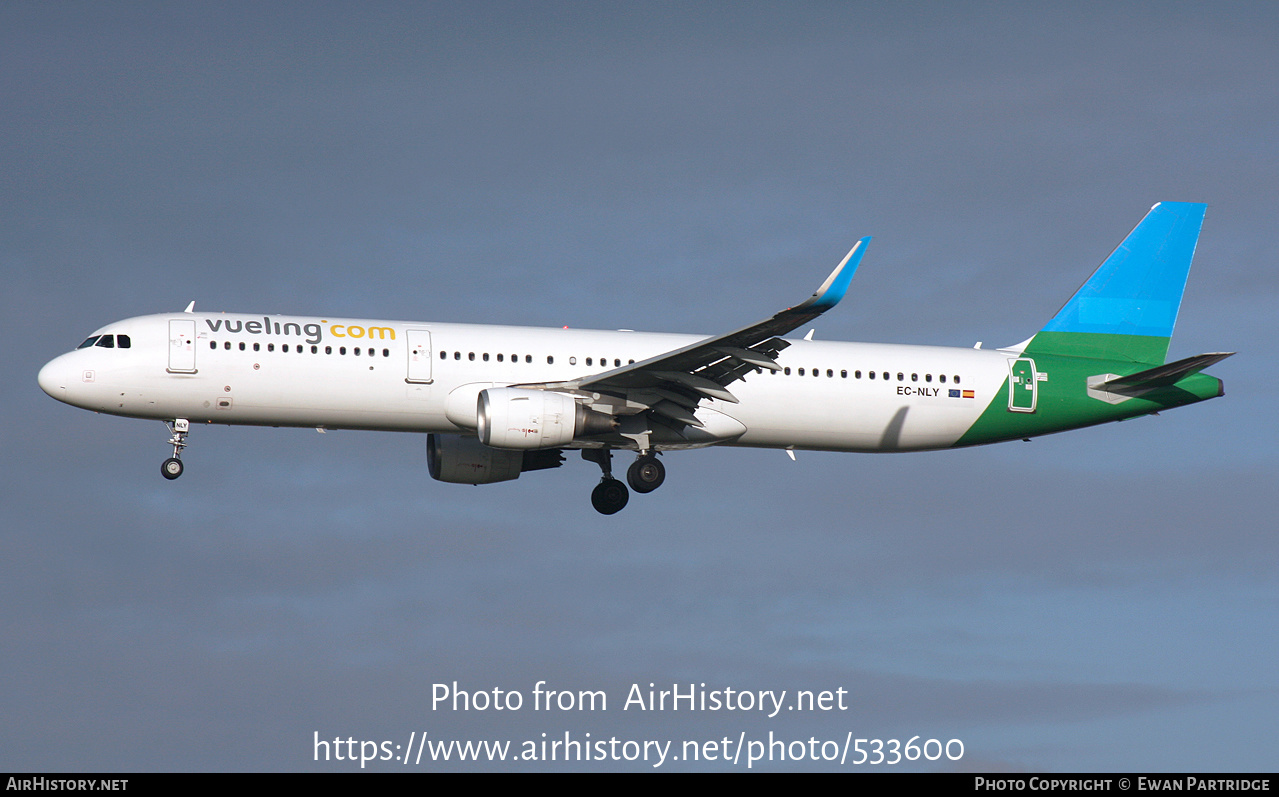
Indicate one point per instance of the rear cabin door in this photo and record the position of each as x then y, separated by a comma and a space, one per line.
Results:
1023, 386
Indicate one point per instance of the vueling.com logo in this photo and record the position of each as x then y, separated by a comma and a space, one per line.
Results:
312, 331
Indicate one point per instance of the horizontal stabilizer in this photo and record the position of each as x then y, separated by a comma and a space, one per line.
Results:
1160, 376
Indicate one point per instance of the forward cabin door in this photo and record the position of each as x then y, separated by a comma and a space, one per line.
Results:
182, 346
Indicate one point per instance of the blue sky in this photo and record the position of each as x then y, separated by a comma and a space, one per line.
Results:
1091, 601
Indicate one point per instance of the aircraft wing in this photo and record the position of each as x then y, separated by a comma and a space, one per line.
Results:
672, 384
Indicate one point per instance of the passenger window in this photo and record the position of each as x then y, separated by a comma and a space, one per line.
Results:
857, 374
486, 356
457, 355
588, 360
550, 360
942, 378
617, 363
885, 376
226, 345
443, 355
123, 341
928, 377
469, 355
328, 349
572, 361
270, 347
386, 352
213, 344
914, 377
786, 370
872, 374
257, 347
241, 347
956, 378
830, 373
88, 342
342, 350
499, 357
801, 372
901, 377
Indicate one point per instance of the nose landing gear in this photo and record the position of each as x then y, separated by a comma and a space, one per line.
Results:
172, 468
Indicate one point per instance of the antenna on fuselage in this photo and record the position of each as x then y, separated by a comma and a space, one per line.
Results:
190, 307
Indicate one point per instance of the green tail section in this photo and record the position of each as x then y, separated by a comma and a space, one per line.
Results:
1092, 363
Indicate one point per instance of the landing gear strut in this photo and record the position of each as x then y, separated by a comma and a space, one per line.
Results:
171, 468
646, 474
610, 495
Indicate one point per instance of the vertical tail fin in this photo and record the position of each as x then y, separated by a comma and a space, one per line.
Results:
1127, 309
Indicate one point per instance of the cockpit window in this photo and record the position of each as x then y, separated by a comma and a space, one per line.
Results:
122, 341
106, 342
88, 342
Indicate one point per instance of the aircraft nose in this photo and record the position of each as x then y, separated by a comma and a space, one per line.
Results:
53, 378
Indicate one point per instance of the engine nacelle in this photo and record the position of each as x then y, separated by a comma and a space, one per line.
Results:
465, 460
514, 418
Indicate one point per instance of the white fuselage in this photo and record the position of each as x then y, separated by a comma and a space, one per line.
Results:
424, 377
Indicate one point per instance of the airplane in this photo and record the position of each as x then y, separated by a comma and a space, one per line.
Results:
498, 401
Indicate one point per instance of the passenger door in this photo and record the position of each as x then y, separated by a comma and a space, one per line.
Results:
419, 356
182, 346
1023, 386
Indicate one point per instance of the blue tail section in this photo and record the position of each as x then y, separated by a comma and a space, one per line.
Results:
1127, 309
1137, 291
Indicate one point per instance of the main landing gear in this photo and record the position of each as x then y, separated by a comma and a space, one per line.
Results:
644, 475
171, 468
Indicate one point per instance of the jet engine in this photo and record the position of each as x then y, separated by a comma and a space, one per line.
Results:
514, 418
465, 460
